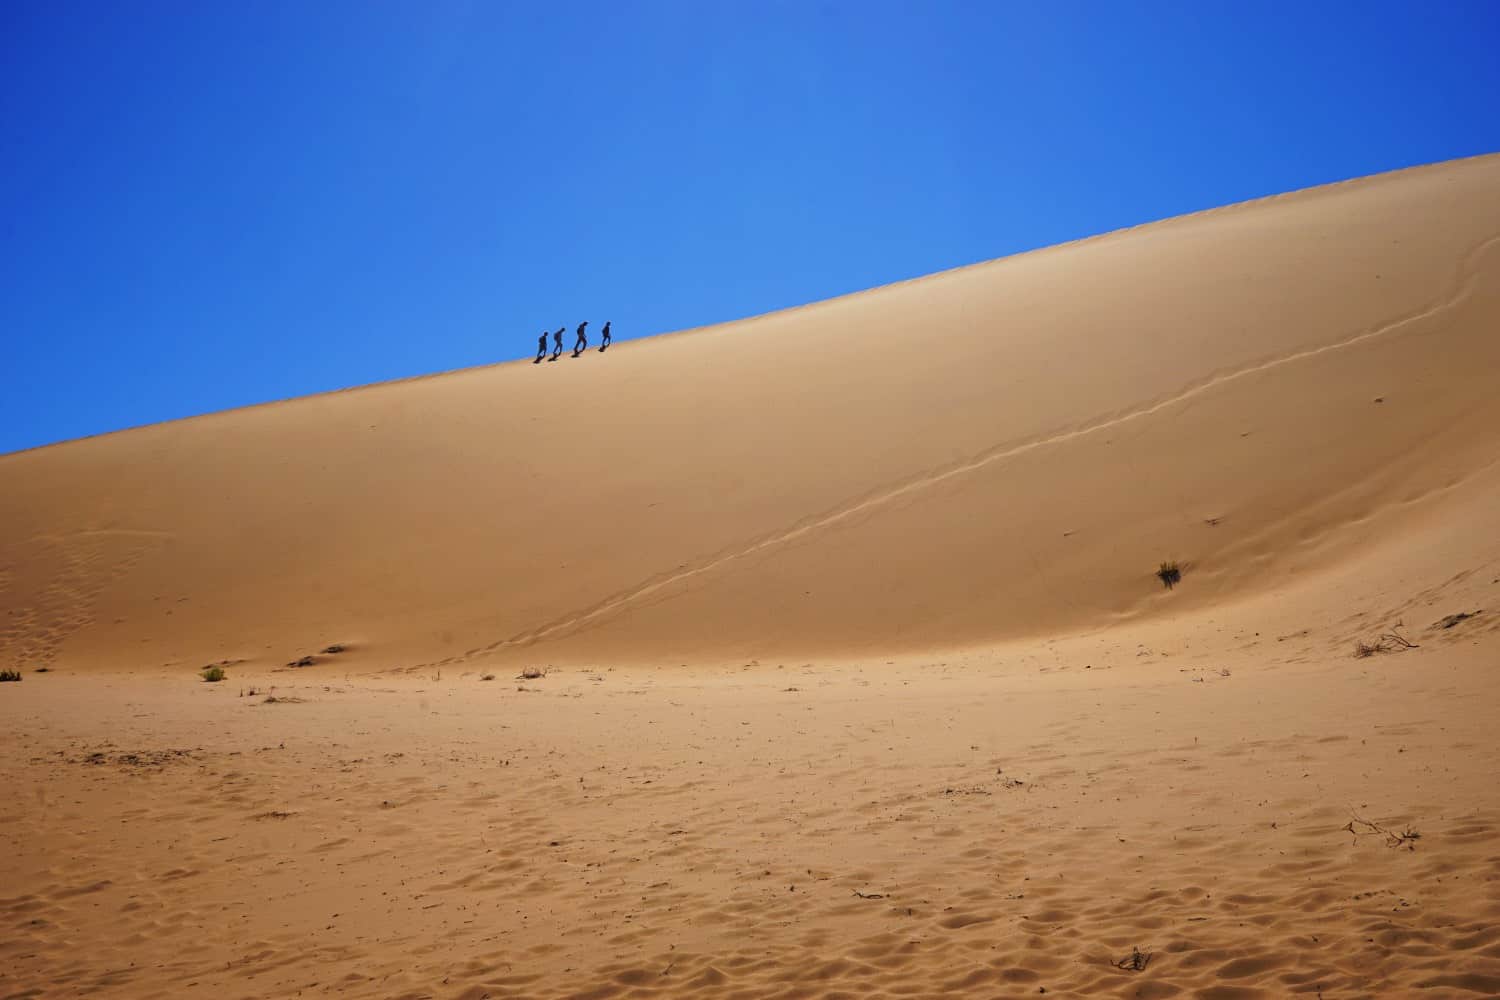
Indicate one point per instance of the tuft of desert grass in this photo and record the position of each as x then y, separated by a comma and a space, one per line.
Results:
1169, 573
214, 674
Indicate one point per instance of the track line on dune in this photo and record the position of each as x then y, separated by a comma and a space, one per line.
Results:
1465, 276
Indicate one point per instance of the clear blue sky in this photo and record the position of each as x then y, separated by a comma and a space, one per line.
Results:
205, 205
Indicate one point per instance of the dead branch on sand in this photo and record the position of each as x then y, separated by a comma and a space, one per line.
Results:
1387, 642
1136, 961
1364, 828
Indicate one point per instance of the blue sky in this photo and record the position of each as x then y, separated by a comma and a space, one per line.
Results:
206, 205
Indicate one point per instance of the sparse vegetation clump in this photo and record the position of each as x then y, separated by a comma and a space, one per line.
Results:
1451, 620
1169, 573
532, 673
214, 674
10, 675
1388, 642
486, 677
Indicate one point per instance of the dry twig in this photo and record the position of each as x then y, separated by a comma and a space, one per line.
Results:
1136, 961
1364, 828
1387, 642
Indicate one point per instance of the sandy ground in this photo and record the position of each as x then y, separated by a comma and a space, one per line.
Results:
858, 679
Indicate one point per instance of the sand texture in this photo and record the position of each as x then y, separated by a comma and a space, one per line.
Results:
857, 680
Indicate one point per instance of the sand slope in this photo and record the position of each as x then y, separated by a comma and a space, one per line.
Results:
861, 684
1003, 450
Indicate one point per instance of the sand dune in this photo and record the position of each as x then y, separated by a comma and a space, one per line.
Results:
999, 451
860, 682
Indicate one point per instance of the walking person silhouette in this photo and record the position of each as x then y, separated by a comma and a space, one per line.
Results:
557, 342
541, 348
582, 343
604, 336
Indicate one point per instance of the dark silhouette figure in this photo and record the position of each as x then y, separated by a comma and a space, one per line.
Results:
557, 342
604, 337
541, 348
582, 343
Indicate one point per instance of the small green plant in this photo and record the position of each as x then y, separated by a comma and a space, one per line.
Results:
214, 674
1169, 573
10, 675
